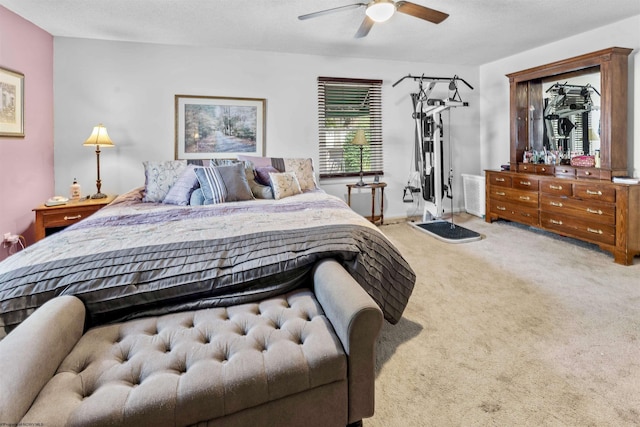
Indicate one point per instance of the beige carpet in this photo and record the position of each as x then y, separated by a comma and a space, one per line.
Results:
521, 328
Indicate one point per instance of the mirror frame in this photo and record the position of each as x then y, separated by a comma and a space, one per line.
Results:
526, 91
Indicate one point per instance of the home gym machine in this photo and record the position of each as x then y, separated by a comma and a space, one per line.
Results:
429, 157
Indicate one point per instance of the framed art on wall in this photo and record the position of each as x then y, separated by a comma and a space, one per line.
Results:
11, 103
213, 127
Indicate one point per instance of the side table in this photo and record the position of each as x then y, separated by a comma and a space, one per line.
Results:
54, 218
373, 186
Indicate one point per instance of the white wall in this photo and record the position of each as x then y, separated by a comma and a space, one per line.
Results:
130, 88
494, 87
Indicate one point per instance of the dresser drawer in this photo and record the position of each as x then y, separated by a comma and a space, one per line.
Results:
529, 198
592, 210
556, 187
545, 169
605, 193
526, 167
529, 183
501, 180
515, 212
582, 229
590, 173
565, 171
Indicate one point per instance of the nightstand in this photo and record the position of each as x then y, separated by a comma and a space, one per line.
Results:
50, 219
373, 187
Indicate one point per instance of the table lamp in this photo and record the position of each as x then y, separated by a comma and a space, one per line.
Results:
360, 140
100, 138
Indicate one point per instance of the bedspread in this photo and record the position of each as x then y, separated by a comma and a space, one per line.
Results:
133, 259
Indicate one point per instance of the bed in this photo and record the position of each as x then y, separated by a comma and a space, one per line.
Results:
141, 256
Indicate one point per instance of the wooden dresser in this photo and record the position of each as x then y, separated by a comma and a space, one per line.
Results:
595, 211
577, 201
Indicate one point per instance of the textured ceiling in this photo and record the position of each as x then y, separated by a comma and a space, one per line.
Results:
476, 32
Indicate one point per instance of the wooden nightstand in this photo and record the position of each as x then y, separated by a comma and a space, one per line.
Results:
50, 219
373, 187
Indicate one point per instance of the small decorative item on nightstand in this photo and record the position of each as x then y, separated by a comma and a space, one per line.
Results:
75, 190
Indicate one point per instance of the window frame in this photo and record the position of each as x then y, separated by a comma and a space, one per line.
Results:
343, 101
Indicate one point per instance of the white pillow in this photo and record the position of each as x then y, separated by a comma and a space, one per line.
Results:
160, 177
284, 184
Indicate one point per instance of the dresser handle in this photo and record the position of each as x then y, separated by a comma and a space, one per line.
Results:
555, 187
500, 193
593, 211
499, 179
525, 182
501, 208
565, 170
528, 215
557, 204
543, 169
525, 198
71, 218
594, 193
556, 222
591, 230
587, 173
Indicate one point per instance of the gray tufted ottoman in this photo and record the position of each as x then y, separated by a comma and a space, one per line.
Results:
276, 362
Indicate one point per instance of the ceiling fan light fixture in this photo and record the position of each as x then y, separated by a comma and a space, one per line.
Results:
380, 10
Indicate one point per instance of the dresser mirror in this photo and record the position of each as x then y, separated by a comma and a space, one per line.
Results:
571, 117
572, 108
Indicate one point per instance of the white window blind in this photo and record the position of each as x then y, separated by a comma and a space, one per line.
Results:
344, 106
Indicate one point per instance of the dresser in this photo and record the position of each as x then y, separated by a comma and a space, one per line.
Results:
595, 211
562, 182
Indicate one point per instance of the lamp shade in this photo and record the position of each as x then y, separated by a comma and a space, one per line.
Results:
359, 138
100, 137
381, 10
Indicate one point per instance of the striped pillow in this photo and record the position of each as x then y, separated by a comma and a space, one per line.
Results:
224, 184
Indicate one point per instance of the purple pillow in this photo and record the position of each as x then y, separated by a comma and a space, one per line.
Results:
262, 174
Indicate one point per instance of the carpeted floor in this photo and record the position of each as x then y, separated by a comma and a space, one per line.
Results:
521, 328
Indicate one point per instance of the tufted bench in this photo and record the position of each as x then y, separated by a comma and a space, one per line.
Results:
280, 361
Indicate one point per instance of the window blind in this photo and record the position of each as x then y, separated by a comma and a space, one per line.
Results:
344, 106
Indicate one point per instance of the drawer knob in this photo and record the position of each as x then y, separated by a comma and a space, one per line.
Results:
543, 169
587, 173
594, 193
591, 230
71, 218
594, 211
555, 187
557, 204
525, 182
555, 221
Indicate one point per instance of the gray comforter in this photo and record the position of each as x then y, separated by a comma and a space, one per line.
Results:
134, 259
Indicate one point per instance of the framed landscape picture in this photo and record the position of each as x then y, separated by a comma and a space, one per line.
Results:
213, 127
11, 103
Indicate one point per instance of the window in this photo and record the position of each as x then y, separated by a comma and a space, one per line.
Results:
344, 106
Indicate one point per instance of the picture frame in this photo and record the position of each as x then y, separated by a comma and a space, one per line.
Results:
11, 103
217, 127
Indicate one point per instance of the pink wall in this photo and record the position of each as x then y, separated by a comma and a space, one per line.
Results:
26, 164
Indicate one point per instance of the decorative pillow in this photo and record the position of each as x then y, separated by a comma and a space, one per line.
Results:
262, 174
303, 168
197, 198
284, 184
160, 177
224, 184
180, 192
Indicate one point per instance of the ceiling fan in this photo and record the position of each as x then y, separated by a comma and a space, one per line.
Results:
381, 11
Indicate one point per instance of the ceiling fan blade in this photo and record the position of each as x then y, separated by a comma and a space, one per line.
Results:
365, 27
421, 12
332, 10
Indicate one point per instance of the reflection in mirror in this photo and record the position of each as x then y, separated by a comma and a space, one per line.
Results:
572, 117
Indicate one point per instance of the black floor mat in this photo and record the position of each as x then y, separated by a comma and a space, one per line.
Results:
448, 232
